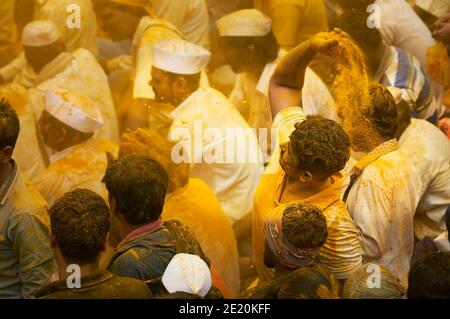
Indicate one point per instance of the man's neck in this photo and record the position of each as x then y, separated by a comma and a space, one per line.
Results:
305, 190
85, 270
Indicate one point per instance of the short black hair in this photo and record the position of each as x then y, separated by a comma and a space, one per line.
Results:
429, 277
80, 222
382, 111
304, 225
354, 22
319, 145
138, 184
9, 125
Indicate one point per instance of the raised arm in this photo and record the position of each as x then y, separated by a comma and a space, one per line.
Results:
287, 81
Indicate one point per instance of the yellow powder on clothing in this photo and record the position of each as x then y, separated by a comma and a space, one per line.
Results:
438, 63
17, 97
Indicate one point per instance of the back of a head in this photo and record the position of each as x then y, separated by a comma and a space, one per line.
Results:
313, 282
149, 143
9, 125
372, 281
80, 222
429, 277
320, 145
304, 225
382, 111
354, 22
138, 185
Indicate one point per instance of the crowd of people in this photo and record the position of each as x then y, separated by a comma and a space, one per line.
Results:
187, 149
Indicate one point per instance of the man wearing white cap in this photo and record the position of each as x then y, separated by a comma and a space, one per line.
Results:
202, 116
252, 51
129, 76
62, 13
67, 125
46, 65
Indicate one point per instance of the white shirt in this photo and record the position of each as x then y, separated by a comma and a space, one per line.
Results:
82, 74
317, 98
429, 150
190, 17
208, 128
382, 203
80, 166
250, 95
402, 27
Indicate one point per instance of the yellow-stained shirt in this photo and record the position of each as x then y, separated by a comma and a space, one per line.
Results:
294, 21
81, 166
341, 254
196, 206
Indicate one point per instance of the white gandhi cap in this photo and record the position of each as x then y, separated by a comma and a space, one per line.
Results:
40, 33
187, 273
180, 57
74, 110
244, 23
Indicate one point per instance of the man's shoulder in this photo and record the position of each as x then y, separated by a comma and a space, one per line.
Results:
390, 169
24, 199
105, 286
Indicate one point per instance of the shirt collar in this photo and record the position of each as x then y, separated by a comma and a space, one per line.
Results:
7, 186
86, 282
185, 104
137, 233
379, 151
442, 242
323, 199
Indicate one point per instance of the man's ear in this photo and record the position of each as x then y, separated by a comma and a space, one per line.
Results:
306, 177
53, 242
7, 154
181, 84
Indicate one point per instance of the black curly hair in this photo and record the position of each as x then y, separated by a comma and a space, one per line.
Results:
138, 184
80, 222
304, 225
320, 146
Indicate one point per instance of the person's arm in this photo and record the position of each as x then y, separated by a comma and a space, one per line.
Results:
287, 81
442, 28
31, 244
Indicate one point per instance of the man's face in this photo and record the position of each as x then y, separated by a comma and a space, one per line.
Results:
239, 53
286, 161
118, 21
162, 86
52, 134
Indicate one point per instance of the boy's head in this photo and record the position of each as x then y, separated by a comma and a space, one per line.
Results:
317, 149
137, 189
294, 234
80, 222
